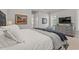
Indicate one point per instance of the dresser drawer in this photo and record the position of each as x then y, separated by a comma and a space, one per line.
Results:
66, 29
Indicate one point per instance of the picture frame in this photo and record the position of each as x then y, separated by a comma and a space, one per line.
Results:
44, 20
20, 19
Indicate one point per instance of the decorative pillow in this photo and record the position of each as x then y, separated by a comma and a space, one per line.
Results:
11, 27
5, 41
10, 30
9, 35
13, 34
1, 33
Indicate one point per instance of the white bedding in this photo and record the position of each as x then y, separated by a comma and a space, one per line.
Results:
57, 43
32, 40
6, 42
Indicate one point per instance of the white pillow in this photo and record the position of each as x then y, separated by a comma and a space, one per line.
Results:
10, 30
1, 33
13, 34
11, 27
9, 35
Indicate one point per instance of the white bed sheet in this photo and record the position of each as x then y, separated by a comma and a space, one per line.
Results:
57, 43
6, 42
33, 40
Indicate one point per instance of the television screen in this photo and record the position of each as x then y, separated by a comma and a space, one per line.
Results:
65, 20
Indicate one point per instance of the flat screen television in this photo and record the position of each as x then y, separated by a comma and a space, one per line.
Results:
65, 20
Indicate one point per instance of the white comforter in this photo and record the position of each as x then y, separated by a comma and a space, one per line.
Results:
32, 40
57, 42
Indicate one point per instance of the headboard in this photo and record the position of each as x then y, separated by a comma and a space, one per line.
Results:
2, 19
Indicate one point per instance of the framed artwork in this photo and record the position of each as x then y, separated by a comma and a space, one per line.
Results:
20, 19
44, 20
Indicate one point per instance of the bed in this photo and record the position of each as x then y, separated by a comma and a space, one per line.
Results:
14, 38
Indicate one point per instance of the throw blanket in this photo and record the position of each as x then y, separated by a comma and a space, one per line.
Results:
61, 35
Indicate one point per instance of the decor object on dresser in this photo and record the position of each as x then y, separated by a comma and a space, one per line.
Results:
66, 29
2, 19
20, 19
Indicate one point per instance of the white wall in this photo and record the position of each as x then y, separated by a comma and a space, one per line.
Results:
77, 24
35, 16
77, 20
11, 16
38, 20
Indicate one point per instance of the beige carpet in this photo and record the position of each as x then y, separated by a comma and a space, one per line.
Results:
73, 43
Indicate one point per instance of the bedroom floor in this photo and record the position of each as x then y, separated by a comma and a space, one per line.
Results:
73, 43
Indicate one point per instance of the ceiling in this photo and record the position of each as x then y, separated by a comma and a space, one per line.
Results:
47, 10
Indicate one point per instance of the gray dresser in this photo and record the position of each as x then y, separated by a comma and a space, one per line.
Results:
65, 29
